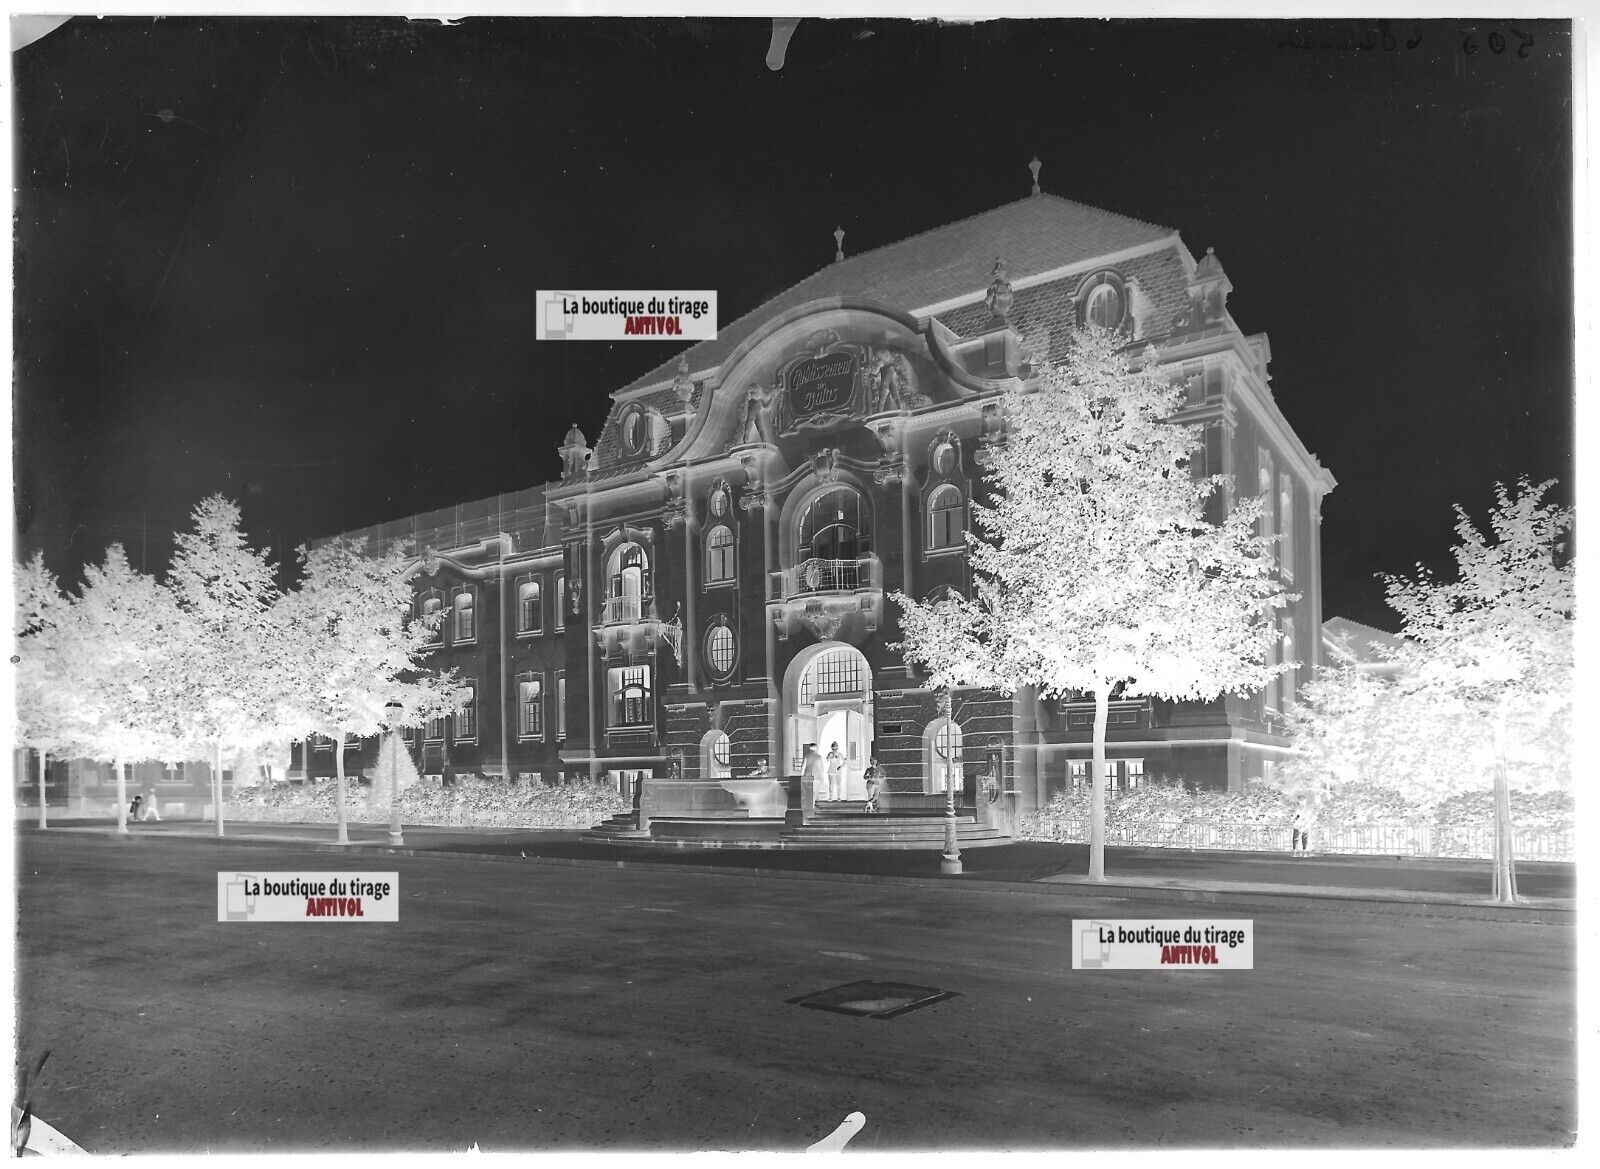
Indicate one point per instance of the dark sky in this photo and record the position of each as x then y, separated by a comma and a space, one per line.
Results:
296, 261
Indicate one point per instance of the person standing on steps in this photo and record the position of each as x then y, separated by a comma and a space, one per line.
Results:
835, 773
811, 772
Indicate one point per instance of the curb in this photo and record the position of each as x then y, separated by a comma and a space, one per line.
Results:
1378, 901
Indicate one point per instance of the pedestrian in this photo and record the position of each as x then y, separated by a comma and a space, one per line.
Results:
133, 808
871, 778
835, 773
1301, 835
811, 771
149, 810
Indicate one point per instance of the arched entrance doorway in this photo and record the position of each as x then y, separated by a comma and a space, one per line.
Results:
827, 698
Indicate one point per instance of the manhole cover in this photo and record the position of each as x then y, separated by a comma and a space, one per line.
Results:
876, 1000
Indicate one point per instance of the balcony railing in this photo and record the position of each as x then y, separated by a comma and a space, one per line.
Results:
623, 610
824, 576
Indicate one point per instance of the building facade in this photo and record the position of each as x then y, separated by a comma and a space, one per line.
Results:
707, 587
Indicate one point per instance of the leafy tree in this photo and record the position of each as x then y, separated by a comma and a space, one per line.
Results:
1482, 692
353, 651
224, 694
116, 656
44, 717
1096, 568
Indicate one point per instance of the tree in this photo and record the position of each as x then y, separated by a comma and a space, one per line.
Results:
224, 689
1494, 647
43, 715
1096, 568
353, 651
116, 655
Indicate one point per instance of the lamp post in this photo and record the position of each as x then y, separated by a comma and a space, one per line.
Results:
950, 863
392, 711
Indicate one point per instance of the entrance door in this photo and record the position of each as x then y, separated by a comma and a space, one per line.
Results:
847, 726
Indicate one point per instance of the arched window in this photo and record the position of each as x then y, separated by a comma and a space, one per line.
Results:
530, 702
715, 764
1104, 306
944, 755
466, 617
721, 649
530, 610
561, 600
946, 517
629, 571
831, 540
719, 554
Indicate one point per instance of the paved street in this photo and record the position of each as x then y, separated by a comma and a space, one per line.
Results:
527, 1006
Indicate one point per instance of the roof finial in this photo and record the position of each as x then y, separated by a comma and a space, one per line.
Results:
838, 239
1034, 167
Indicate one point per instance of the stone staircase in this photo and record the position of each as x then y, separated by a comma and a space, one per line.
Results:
619, 829
844, 824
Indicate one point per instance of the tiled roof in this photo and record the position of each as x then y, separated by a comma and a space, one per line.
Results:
1033, 235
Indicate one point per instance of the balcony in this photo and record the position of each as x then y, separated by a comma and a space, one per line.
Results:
623, 610
816, 575
840, 599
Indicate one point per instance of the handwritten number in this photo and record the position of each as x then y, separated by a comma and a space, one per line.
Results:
1497, 43
1522, 49
1468, 45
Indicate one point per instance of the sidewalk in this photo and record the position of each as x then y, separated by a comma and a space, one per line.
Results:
1385, 884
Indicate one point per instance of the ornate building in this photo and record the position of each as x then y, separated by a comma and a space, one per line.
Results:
706, 590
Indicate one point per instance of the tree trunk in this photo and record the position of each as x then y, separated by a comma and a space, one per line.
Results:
44, 767
1505, 865
338, 796
216, 787
1097, 787
122, 798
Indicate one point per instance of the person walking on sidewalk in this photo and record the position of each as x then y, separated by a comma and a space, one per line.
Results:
1301, 836
148, 812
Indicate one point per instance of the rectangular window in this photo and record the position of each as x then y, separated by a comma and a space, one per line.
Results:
530, 606
1269, 696
433, 732
466, 719
466, 617
432, 611
1286, 526
630, 696
561, 600
1267, 489
530, 699
561, 705
719, 554
1077, 773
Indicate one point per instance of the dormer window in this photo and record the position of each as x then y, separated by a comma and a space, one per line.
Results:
1104, 307
645, 432
1103, 300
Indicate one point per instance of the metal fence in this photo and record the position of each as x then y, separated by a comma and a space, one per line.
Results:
1533, 844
